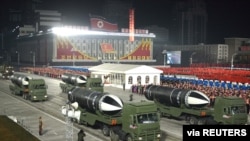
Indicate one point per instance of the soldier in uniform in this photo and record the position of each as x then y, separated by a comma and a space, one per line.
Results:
40, 126
81, 135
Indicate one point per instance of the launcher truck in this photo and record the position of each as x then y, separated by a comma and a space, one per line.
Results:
192, 105
6, 71
70, 81
28, 87
120, 121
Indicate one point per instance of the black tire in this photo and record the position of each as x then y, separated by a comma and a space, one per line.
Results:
129, 138
25, 96
113, 136
105, 130
201, 121
193, 120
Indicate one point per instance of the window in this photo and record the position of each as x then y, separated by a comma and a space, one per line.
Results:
147, 79
138, 79
130, 80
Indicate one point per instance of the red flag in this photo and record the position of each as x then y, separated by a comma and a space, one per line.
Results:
107, 48
100, 24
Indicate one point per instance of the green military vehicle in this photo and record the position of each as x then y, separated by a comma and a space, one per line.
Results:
120, 121
29, 88
192, 105
136, 119
6, 71
70, 81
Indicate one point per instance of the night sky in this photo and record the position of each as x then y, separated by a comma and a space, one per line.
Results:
226, 18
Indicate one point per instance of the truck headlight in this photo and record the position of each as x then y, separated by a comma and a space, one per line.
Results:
140, 138
158, 135
34, 97
45, 96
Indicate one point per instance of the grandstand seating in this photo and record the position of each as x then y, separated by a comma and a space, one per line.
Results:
219, 77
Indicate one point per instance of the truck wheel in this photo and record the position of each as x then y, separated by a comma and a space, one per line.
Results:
105, 130
129, 138
201, 121
193, 120
113, 136
24, 96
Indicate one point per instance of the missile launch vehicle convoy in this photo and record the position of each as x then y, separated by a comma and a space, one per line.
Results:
70, 81
192, 106
29, 88
120, 121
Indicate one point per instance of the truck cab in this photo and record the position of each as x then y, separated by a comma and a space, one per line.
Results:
230, 110
140, 122
6, 71
37, 90
94, 84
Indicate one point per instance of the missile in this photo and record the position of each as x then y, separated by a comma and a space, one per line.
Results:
73, 79
176, 97
20, 79
95, 101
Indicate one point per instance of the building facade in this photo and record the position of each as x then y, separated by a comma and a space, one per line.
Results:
79, 45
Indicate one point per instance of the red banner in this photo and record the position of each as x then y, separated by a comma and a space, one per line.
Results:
107, 48
100, 24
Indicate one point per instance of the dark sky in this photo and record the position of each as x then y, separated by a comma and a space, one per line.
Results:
226, 18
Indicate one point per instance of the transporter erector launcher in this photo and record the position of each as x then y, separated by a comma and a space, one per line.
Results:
192, 106
176, 97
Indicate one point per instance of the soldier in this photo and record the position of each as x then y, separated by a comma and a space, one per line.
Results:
81, 135
40, 126
131, 97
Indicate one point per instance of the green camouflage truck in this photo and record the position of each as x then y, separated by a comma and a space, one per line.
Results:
138, 121
29, 88
6, 71
70, 81
193, 106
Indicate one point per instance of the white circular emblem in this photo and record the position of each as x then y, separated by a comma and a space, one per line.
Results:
100, 24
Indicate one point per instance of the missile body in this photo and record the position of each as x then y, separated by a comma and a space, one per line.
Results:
73, 79
176, 97
20, 80
94, 101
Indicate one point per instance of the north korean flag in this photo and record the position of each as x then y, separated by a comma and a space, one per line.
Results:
102, 25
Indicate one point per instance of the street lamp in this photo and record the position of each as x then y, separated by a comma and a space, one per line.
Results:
164, 52
232, 60
191, 58
18, 58
34, 58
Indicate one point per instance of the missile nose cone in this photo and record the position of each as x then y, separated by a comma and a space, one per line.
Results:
24, 82
79, 80
110, 103
196, 101
109, 107
197, 98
